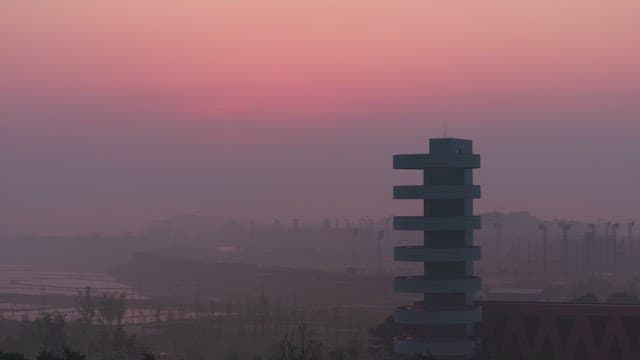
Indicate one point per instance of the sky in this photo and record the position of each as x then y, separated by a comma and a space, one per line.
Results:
117, 112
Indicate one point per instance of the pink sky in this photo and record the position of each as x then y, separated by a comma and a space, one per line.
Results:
100, 100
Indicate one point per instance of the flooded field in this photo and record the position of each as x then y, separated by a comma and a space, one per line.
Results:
25, 280
26, 292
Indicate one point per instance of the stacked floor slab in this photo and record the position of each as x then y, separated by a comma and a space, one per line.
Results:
442, 323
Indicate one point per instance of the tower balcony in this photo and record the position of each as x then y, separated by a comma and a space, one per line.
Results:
436, 192
416, 315
436, 255
410, 345
422, 223
442, 160
428, 285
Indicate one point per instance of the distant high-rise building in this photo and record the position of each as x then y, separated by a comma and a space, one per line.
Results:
442, 324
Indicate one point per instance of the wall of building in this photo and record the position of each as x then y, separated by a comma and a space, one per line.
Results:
567, 331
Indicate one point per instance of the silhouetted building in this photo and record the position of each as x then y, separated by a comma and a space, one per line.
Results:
443, 323
572, 331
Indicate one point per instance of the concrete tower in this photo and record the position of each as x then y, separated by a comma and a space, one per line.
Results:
442, 324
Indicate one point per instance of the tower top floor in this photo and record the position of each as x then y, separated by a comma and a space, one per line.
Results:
450, 145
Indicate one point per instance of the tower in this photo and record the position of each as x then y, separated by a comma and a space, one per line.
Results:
442, 324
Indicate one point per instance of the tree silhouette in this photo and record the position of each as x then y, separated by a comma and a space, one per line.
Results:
11, 356
50, 333
66, 355
112, 308
299, 345
623, 298
86, 306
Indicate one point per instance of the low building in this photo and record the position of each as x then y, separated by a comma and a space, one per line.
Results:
549, 330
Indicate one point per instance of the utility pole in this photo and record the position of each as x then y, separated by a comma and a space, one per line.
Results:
565, 227
326, 227
614, 245
591, 260
498, 227
380, 237
606, 249
545, 247
528, 272
354, 238
296, 233
370, 230
276, 233
630, 242
388, 232
250, 237
515, 250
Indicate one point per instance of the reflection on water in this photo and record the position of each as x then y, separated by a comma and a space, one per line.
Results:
25, 293
25, 280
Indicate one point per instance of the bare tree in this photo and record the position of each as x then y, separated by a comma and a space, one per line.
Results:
86, 306
299, 344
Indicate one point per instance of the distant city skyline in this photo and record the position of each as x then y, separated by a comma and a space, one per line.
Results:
119, 113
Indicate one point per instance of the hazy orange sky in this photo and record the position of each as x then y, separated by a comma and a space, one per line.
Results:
115, 112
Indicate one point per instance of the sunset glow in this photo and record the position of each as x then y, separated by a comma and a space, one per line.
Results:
234, 77
235, 58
